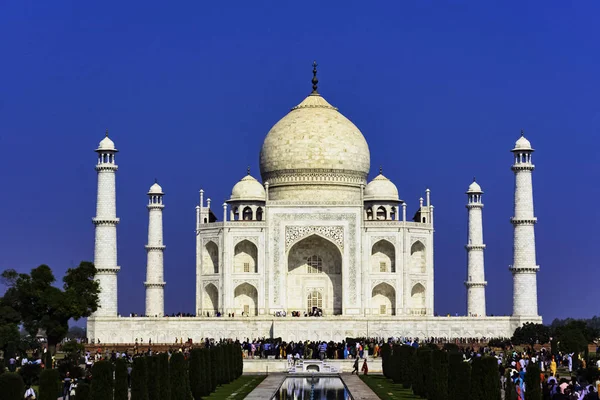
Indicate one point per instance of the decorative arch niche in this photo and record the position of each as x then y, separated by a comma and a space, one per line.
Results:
210, 258
383, 299
246, 299
418, 259
383, 257
245, 258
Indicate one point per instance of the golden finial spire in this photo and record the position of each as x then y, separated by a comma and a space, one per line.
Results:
315, 81
380, 170
248, 170
106, 133
522, 132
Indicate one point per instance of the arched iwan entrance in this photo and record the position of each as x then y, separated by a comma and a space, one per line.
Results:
383, 300
245, 257
314, 266
210, 300
383, 257
246, 300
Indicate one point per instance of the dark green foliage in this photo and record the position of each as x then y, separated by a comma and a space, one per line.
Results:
491, 378
531, 333
11, 386
422, 379
121, 386
532, 383
451, 347
454, 361
207, 367
590, 328
477, 379
180, 389
395, 370
572, 340
462, 389
197, 376
511, 392
49, 385
407, 366
83, 391
438, 371
386, 353
102, 382
164, 377
42, 305
31, 373
139, 388
153, 378
213, 369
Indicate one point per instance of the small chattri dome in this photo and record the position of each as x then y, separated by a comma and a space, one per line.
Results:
381, 188
155, 189
107, 144
248, 189
522, 144
474, 188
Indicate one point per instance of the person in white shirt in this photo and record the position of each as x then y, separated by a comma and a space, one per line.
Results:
29, 394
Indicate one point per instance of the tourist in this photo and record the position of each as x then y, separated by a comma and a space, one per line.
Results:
66, 385
355, 366
553, 366
29, 393
365, 367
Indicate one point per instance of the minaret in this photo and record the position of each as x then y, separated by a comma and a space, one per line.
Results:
155, 298
524, 268
105, 249
475, 282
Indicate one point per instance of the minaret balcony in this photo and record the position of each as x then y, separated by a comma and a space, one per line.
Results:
524, 270
471, 284
106, 167
522, 167
475, 246
105, 221
523, 221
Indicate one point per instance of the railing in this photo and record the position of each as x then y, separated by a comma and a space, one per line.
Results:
418, 311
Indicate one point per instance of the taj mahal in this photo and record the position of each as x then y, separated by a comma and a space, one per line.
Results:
313, 250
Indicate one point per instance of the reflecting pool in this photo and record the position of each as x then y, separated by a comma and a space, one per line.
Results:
317, 388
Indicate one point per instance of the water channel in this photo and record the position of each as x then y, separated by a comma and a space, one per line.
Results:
312, 388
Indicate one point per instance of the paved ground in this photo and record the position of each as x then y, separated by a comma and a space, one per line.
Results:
267, 388
358, 389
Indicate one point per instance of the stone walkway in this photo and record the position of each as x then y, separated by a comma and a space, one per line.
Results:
267, 388
358, 389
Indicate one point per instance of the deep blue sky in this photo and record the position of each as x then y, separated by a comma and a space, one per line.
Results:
189, 89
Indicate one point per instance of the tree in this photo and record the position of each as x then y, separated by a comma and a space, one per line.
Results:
439, 376
531, 334
11, 386
9, 325
49, 385
139, 386
41, 305
490, 379
532, 383
386, 353
180, 389
121, 386
153, 378
76, 332
477, 380
164, 376
83, 391
463, 390
102, 382
572, 340
196, 373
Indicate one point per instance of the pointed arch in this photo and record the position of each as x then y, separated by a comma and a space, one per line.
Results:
210, 301
247, 213
383, 299
381, 213
314, 263
383, 257
245, 258
246, 299
417, 297
418, 255
210, 258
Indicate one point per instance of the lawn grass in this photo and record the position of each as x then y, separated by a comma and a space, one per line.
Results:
386, 389
238, 389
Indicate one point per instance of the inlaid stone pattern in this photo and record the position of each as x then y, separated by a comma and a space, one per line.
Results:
294, 233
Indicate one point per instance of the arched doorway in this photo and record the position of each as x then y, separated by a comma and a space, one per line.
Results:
210, 258
245, 257
210, 301
383, 299
417, 299
314, 265
417, 257
246, 300
383, 257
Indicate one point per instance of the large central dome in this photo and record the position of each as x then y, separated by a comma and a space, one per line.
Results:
311, 147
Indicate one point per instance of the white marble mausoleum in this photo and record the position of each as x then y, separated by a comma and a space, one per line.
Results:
313, 233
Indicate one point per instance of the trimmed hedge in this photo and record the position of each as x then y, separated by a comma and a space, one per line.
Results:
164, 377
532, 383
49, 385
439, 375
153, 378
12, 386
491, 378
121, 385
180, 389
102, 382
386, 353
83, 391
459, 377
139, 388
477, 379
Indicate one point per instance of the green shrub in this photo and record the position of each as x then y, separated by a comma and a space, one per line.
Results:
153, 378
49, 385
180, 389
12, 386
532, 383
31, 373
139, 388
102, 381
83, 391
164, 377
463, 389
407, 366
386, 353
196, 373
206, 372
121, 385
213, 369
491, 378
395, 361
439, 376
477, 379
421, 381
